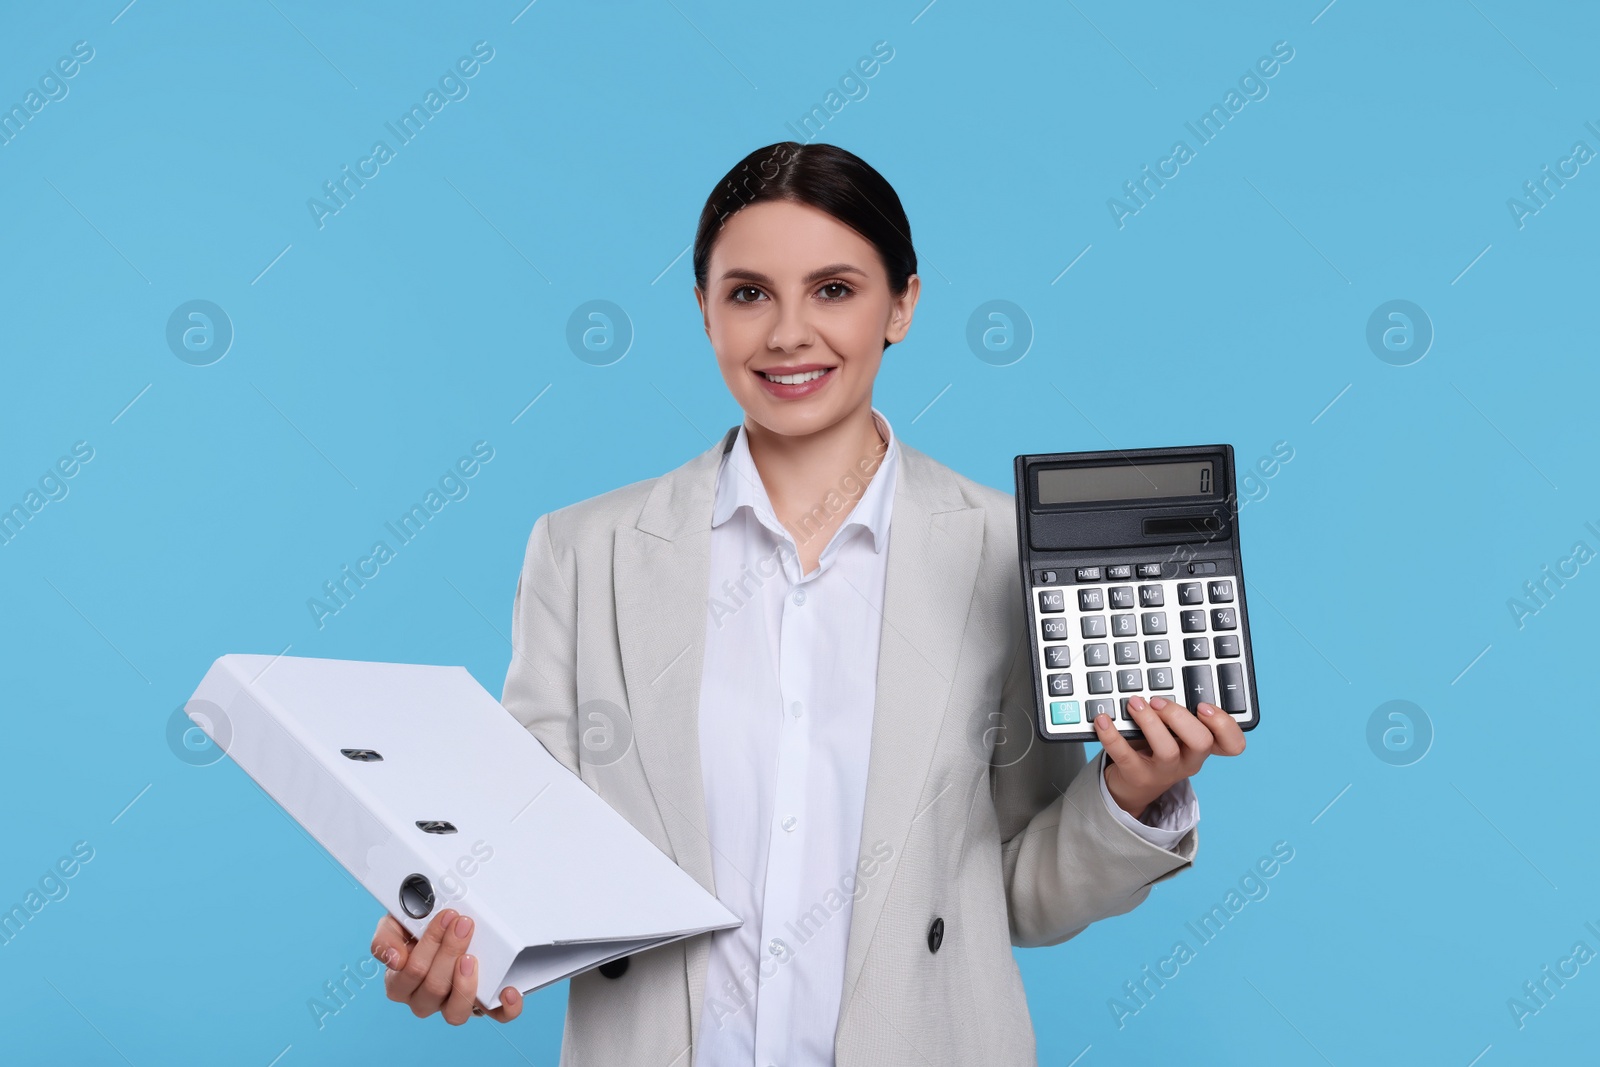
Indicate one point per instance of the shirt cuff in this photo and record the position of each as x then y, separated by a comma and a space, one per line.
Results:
1173, 814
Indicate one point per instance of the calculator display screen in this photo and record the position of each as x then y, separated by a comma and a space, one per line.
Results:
1128, 481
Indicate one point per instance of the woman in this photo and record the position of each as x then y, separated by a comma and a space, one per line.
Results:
818, 636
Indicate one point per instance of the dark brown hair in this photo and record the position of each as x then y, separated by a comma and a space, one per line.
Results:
825, 177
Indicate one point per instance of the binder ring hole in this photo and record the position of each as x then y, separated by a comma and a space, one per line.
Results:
436, 826
361, 755
416, 896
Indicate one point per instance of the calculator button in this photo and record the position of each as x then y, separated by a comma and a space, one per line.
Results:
1190, 593
1045, 578
1197, 686
1196, 648
1226, 646
1054, 629
1157, 651
1099, 681
1149, 570
1088, 574
1057, 657
1092, 625
1151, 596
1160, 677
1130, 680
1096, 655
1121, 596
1052, 600
1154, 622
1230, 679
1119, 572
1063, 712
1104, 705
1202, 568
1127, 652
1060, 685
1192, 621
1127, 715
1220, 592
1122, 626
1223, 619
1090, 600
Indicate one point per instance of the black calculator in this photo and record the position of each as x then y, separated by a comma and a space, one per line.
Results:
1134, 584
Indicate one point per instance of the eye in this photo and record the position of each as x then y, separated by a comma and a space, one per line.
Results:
734, 296
845, 291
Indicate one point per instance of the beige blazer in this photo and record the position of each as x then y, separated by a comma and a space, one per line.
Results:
993, 837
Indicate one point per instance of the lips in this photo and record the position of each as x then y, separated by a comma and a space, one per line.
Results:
792, 390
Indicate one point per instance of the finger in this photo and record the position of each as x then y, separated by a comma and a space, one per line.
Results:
1115, 744
441, 979
1163, 746
391, 943
1230, 738
510, 1005
402, 985
463, 991
1190, 732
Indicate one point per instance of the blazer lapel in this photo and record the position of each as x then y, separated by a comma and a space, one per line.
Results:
661, 571
935, 539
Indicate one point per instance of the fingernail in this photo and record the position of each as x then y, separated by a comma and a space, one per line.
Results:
446, 917
1158, 702
1206, 709
463, 926
467, 966
1138, 702
390, 958
511, 994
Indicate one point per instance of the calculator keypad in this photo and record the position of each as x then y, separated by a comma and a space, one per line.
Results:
1105, 638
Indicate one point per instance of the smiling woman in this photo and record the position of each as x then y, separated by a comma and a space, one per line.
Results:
815, 633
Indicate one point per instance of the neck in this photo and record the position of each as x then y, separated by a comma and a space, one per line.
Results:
813, 480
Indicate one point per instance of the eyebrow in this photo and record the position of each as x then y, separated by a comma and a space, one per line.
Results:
815, 276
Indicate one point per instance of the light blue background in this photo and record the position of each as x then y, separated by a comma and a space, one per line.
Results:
371, 353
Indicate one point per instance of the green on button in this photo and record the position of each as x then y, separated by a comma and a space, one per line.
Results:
1063, 712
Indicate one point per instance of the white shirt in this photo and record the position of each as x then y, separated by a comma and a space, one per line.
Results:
786, 705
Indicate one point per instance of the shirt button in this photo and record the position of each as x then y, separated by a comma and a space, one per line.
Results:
795, 709
799, 596
777, 946
789, 822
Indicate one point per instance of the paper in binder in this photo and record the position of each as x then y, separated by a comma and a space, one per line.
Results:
432, 795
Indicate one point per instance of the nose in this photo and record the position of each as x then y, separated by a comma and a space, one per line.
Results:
792, 328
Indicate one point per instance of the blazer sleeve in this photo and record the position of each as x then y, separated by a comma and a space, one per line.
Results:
1067, 861
541, 684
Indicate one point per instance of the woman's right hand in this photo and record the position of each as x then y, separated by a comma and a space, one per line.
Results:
435, 972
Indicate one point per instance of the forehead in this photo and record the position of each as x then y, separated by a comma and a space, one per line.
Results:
781, 237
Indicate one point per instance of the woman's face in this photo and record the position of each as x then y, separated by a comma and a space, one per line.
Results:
791, 291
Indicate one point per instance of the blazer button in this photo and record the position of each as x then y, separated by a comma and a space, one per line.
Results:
615, 968
935, 935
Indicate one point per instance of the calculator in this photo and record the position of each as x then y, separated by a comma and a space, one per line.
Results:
1134, 585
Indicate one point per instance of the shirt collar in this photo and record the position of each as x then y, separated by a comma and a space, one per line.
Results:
739, 485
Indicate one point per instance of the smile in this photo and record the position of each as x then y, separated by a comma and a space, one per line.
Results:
794, 379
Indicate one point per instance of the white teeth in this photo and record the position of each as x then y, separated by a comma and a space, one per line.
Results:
793, 379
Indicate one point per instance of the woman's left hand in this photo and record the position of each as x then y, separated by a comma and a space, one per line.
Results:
1176, 742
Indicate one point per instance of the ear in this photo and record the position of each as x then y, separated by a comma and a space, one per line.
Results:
900, 311
705, 316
